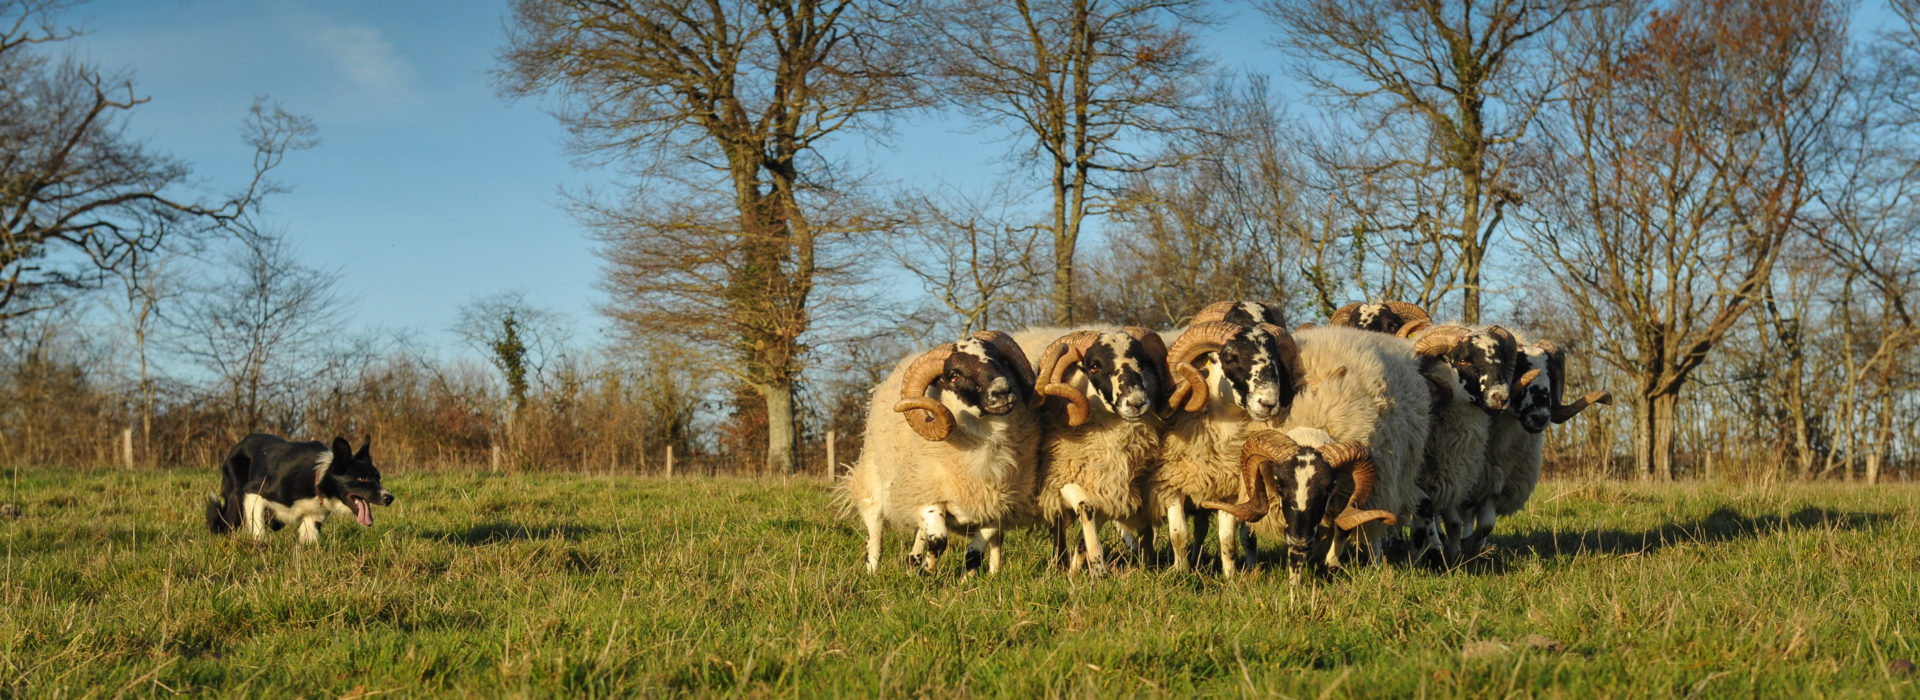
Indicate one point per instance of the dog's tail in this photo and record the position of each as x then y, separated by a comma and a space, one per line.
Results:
219, 521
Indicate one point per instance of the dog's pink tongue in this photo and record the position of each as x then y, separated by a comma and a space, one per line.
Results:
363, 512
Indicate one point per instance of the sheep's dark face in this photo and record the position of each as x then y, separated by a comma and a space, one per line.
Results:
1533, 405
1250, 369
1122, 377
1306, 487
981, 378
1485, 363
1378, 318
1253, 313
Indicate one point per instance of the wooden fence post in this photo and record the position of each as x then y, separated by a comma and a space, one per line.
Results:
126, 447
669, 461
832, 465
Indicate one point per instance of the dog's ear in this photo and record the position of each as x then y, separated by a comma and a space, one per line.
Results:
342, 450
363, 455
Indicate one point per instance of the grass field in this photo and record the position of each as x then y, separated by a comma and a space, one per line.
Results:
569, 585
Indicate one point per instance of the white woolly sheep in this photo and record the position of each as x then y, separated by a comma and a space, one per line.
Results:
961, 458
1101, 439
1224, 376
1362, 412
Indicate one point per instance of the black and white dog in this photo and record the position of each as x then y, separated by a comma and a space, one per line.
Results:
268, 482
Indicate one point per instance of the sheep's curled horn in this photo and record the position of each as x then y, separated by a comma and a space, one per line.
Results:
926, 416
1355, 457
1061, 355
1255, 479
1189, 385
1440, 341
1412, 318
1269, 447
929, 417
1216, 311
1556, 364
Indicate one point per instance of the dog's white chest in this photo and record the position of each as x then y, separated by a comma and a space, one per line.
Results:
315, 509
306, 513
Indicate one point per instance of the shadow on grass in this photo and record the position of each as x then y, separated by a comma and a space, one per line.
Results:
497, 532
1722, 525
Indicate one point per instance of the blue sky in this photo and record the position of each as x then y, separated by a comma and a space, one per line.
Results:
427, 190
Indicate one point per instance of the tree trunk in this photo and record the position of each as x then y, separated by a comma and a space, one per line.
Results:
779, 399
1653, 437
1470, 252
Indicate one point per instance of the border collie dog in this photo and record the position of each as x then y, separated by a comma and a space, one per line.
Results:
268, 482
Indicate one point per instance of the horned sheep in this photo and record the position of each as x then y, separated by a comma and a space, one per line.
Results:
1101, 435
1358, 429
962, 457
1516, 435
1226, 375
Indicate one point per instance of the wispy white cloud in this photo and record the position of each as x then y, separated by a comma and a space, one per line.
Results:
364, 57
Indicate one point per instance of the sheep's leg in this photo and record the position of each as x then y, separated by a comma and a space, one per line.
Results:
917, 556
1425, 528
994, 537
1177, 536
1249, 546
1061, 551
871, 516
976, 553
1371, 535
1229, 538
1333, 548
1096, 556
1138, 538
933, 519
1483, 526
1456, 526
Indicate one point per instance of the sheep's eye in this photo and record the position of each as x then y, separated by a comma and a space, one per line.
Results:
1229, 357
1093, 368
954, 374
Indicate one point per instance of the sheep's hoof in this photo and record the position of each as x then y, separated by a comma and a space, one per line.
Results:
914, 560
1096, 566
936, 546
974, 559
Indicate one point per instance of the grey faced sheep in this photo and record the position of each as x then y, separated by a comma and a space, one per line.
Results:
950, 445
1516, 435
1225, 375
1362, 412
1101, 437
1472, 370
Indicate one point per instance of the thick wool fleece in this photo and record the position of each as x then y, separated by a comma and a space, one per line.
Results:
1381, 401
983, 474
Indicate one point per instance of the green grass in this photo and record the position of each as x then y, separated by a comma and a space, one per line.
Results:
571, 585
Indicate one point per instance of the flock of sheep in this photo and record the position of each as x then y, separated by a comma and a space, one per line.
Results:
1376, 421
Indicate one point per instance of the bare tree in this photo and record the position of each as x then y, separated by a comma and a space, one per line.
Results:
1087, 86
264, 331
79, 197
517, 338
973, 256
1463, 77
1680, 164
728, 95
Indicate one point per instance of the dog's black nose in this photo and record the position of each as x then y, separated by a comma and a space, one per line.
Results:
388, 501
